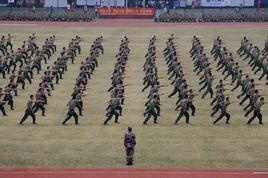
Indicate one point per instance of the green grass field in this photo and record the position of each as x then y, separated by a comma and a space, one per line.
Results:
90, 144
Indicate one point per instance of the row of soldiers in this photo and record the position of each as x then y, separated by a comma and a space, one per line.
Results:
51, 75
59, 17
258, 59
86, 69
175, 17
234, 17
152, 106
202, 64
212, 17
28, 62
220, 102
117, 88
248, 89
176, 74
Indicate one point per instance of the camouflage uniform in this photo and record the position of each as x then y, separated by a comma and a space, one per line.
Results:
129, 143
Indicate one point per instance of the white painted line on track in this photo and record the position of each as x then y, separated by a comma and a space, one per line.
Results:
125, 172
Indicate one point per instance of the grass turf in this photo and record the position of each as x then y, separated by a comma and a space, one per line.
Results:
91, 144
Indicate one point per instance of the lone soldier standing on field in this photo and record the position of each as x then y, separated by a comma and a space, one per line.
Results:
130, 142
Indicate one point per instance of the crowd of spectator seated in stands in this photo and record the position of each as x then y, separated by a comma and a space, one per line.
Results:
42, 16
233, 17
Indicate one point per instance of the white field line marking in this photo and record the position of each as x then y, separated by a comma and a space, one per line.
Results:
17, 24
262, 173
114, 172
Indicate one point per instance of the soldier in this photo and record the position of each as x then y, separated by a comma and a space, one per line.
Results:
27, 72
36, 64
18, 57
264, 70
31, 45
2, 103
239, 51
157, 106
209, 87
183, 92
56, 72
249, 92
129, 143
2, 45
236, 70
98, 44
257, 111
8, 42
44, 90
12, 77
184, 110
258, 61
230, 68
223, 107
79, 103
21, 78
113, 109
246, 83
8, 96
2, 68
13, 86
177, 83
190, 102
218, 99
51, 44
150, 110
71, 111
12, 62
253, 99
215, 43
29, 111
238, 79
39, 102
151, 80
248, 51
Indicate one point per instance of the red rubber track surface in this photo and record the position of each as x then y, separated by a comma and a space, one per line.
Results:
130, 173
134, 23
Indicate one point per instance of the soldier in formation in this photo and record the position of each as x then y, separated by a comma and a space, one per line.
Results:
151, 79
87, 68
185, 95
117, 88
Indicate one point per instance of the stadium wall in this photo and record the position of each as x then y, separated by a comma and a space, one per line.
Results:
103, 2
55, 3
198, 12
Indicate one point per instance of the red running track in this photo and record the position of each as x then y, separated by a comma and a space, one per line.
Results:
133, 23
130, 173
